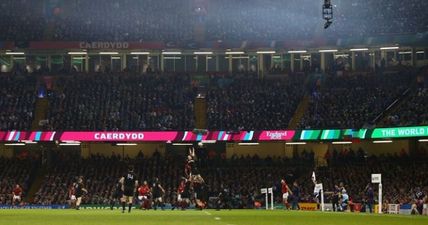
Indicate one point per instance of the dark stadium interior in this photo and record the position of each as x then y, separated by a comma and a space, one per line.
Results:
205, 66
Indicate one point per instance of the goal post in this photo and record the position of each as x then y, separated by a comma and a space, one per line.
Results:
377, 179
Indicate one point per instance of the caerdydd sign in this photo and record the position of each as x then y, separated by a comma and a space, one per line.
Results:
400, 132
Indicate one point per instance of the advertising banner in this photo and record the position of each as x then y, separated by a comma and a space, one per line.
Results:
236, 136
308, 206
279, 135
34, 207
400, 132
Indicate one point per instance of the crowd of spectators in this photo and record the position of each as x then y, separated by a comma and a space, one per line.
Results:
353, 101
246, 103
414, 110
15, 171
112, 102
17, 102
163, 20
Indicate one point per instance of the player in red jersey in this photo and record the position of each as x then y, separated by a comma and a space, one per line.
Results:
180, 191
72, 196
17, 194
285, 192
143, 195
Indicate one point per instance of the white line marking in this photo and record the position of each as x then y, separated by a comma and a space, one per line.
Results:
208, 213
217, 218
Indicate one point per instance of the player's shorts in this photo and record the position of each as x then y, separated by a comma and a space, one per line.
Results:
142, 197
128, 193
285, 196
159, 199
179, 197
73, 197
17, 197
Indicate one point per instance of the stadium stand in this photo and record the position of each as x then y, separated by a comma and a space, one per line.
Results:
251, 104
110, 102
414, 109
18, 170
354, 101
18, 95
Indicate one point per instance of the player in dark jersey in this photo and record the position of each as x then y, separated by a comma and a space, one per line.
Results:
335, 198
117, 194
158, 191
201, 195
79, 191
190, 163
224, 200
420, 199
129, 184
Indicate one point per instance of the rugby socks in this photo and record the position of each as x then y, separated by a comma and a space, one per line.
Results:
129, 207
123, 206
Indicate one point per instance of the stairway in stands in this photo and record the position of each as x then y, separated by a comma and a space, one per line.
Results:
299, 113
36, 184
40, 112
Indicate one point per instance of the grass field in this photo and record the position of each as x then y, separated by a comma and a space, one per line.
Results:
209, 217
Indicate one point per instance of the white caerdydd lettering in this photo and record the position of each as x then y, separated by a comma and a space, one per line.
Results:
118, 136
104, 45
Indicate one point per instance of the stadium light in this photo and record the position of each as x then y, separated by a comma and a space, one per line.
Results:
208, 141
297, 51
202, 53
234, 53
171, 53
248, 143
69, 144
182, 144
389, 48
140, 53
29, 142
109, 53
382, 142
15, 53
404, 53
420, 52
328, 50
126, 144
341, 142
77, 53
358, 49
266, 52
342, 55
423, 140
295, 143
14, 144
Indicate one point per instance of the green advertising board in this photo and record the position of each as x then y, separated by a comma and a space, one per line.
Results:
308, 135
330, 134
400, 132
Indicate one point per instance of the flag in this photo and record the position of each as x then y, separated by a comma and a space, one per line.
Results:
313, 177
